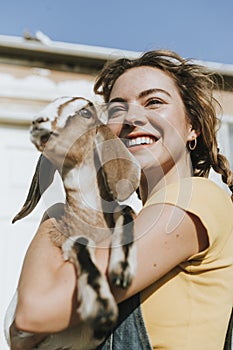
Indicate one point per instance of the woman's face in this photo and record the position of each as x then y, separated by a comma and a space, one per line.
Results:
147, 112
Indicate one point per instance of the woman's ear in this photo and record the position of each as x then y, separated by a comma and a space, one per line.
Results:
192, 133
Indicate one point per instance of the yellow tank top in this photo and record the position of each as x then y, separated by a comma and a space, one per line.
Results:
189, 308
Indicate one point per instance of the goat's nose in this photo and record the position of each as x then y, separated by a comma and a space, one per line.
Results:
40, 120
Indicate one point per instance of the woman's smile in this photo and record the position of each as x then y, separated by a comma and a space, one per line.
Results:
135, 141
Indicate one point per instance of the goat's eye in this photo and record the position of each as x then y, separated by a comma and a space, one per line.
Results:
86, 113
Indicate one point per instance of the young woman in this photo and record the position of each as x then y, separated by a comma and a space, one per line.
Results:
162, 107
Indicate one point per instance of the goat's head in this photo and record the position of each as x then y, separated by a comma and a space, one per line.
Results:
65, 132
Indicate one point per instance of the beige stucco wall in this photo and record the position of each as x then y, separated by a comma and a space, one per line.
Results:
25, 89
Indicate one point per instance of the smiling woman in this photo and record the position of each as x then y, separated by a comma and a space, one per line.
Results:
162, 107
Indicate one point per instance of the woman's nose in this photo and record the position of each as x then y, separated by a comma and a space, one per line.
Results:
135, 116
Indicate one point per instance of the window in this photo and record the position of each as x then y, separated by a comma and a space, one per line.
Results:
225, 142
225, 137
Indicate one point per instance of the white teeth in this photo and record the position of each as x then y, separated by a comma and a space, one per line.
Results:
144, 140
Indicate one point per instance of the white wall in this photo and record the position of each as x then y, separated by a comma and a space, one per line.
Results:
21, 95
17, 162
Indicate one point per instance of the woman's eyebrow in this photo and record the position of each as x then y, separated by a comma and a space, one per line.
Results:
117, 99
141, 95
152, 91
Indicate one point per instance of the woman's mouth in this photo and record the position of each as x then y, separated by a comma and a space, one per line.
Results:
140, 140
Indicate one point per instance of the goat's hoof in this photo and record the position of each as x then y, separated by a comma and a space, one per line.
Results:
121, 276
96, 303
99, 311
67, 247
103, 317
104, 323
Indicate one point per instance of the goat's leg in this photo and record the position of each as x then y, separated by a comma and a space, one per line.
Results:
96, 303
123, 261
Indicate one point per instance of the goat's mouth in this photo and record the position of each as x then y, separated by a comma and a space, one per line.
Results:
44, 138
144, 140
41, 137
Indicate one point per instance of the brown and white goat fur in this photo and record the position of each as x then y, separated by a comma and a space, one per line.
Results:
98, 172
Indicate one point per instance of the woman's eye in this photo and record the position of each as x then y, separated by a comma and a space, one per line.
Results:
116, 111
85, 112
154, 102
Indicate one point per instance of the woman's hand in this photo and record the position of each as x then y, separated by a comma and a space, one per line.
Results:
46, 287
20, 341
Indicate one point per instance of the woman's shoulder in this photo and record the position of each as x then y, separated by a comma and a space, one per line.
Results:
213, 205
192, 190
206, 184
203, 198
208, 194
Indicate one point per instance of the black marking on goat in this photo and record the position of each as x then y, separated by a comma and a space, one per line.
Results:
122, 277
128, 232
128, 224
105, 320
86, 263
40, 120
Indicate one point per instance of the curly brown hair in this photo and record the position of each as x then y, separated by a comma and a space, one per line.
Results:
195, 85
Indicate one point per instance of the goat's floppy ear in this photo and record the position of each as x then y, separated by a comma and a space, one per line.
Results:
41, 180
122, 172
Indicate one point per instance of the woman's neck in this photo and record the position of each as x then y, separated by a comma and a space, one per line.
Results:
153, 181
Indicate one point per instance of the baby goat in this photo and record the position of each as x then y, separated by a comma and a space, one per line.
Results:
97, 171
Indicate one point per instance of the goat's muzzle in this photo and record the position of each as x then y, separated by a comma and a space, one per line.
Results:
40, 137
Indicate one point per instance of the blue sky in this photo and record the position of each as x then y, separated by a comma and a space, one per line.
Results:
199, 29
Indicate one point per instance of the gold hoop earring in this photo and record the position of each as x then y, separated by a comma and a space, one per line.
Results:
192, 147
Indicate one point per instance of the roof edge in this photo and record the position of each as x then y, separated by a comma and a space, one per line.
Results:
95, 53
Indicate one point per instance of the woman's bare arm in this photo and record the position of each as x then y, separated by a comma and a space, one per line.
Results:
47, 284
